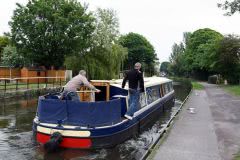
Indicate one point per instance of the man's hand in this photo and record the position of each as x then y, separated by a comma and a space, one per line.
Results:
98, 90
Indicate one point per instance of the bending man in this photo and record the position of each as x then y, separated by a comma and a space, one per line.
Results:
75, 83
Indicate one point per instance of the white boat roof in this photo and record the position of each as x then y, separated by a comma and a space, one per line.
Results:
148, 82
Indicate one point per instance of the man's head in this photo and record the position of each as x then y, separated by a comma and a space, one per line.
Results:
82, 72
137, 65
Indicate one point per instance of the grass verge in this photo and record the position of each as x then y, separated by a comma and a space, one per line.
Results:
19, 86
234, 89
197, 85
237, 157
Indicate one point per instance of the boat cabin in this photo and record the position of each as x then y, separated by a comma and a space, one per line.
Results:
154, 90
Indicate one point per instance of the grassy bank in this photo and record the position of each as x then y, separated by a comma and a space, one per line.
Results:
234, 89
31, 92
12, 86
192, 83
196, 85
237, 157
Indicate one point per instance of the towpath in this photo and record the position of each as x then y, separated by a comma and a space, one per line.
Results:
211, 133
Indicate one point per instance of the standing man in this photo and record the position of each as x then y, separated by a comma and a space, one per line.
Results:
75, 83
135, 85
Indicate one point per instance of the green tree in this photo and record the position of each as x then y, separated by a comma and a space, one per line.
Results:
4, 41
45, 31
231, 7
107, 28
228, 63
176, 51
176, 58
11, 58
104, 59
178, 64
200, 53
165, 67
97, 65
186, 38
139, 50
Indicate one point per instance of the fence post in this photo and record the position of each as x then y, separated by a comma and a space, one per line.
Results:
46, 82
60, 82
5, 85
16, 84
38, 83
27, 83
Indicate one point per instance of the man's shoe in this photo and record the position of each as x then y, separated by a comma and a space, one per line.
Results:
128, 117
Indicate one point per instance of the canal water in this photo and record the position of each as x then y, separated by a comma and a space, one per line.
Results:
18, 143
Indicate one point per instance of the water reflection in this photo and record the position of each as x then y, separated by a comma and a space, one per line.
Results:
17, 142
15, 128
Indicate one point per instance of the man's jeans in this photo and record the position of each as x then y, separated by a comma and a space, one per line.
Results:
133, 102
70, 95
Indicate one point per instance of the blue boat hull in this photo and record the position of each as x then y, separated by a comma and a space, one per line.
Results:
104, 137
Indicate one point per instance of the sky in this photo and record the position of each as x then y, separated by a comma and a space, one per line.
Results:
162, 22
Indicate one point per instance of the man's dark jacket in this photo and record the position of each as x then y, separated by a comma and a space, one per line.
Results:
135, 80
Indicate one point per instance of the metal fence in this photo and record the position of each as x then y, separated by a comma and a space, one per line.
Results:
15, 84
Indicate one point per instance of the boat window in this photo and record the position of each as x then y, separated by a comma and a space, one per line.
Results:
171, 86
156, 93
166, 88
165, 85
153, 94
143, 101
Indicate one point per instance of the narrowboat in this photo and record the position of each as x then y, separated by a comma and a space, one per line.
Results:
97, 120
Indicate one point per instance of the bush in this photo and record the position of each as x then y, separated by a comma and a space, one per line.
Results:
234, 79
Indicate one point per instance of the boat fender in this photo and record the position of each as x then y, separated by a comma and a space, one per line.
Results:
53, 144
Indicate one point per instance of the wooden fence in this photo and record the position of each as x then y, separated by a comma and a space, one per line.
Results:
10, 72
